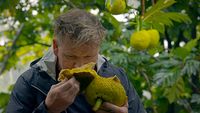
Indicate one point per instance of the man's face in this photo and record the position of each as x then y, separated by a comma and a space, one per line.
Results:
71, 57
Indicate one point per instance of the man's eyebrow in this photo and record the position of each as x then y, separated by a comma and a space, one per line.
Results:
89, 55
69, 55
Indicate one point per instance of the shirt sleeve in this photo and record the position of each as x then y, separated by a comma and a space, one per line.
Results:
22, 99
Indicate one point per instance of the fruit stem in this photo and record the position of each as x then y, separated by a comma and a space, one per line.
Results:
97, 104
138, 23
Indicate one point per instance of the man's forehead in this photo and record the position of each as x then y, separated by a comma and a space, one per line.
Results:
86, 47
72, 44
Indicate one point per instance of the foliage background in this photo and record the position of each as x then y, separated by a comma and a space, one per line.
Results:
167, 78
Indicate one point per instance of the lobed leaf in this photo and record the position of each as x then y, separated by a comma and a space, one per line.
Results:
175, 92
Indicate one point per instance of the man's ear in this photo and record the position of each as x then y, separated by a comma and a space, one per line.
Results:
55, 46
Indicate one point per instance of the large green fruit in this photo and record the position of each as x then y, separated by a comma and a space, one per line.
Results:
116, 6
105, 89
140, 40
97, 89
154, 36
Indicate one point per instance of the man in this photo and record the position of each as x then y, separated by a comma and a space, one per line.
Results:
77, 39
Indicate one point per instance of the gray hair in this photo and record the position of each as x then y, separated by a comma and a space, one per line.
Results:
80, 26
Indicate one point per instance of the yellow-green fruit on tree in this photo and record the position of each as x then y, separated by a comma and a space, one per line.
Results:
116, 6
140, 40
154, 36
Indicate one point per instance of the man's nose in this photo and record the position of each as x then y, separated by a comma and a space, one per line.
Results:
78, 64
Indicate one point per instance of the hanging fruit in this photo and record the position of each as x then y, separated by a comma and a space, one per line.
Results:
140, 40
116, 6
154, 37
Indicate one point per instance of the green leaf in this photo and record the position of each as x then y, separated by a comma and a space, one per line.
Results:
10, 87
169, 63
167, 70
166, 77
181, 52
116, 25
175, 92
4, 98
191, 44
161, 4
178, 17
159, 26
153, 51
158, 19
167, 18
191, 67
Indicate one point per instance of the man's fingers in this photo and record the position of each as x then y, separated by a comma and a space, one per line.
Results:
126, 104
110, 106
115, 109
58, 84
72, 93
102, 111
68, 84
74, 89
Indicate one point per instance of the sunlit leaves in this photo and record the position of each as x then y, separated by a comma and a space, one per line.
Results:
183, 52
158, 19
191, 44
4, 98
160, 5
29, 53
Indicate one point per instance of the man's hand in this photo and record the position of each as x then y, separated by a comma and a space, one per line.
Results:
61, 95
111, 108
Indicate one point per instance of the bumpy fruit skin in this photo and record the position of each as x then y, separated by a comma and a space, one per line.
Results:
140, 40
69, 73
107, 89
116, 6
154, 36
84, 75
96, 87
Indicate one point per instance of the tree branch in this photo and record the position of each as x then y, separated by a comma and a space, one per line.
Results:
10, 49
147, 80
43, 44
143, 7
153, 2
149, 88
32, 43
